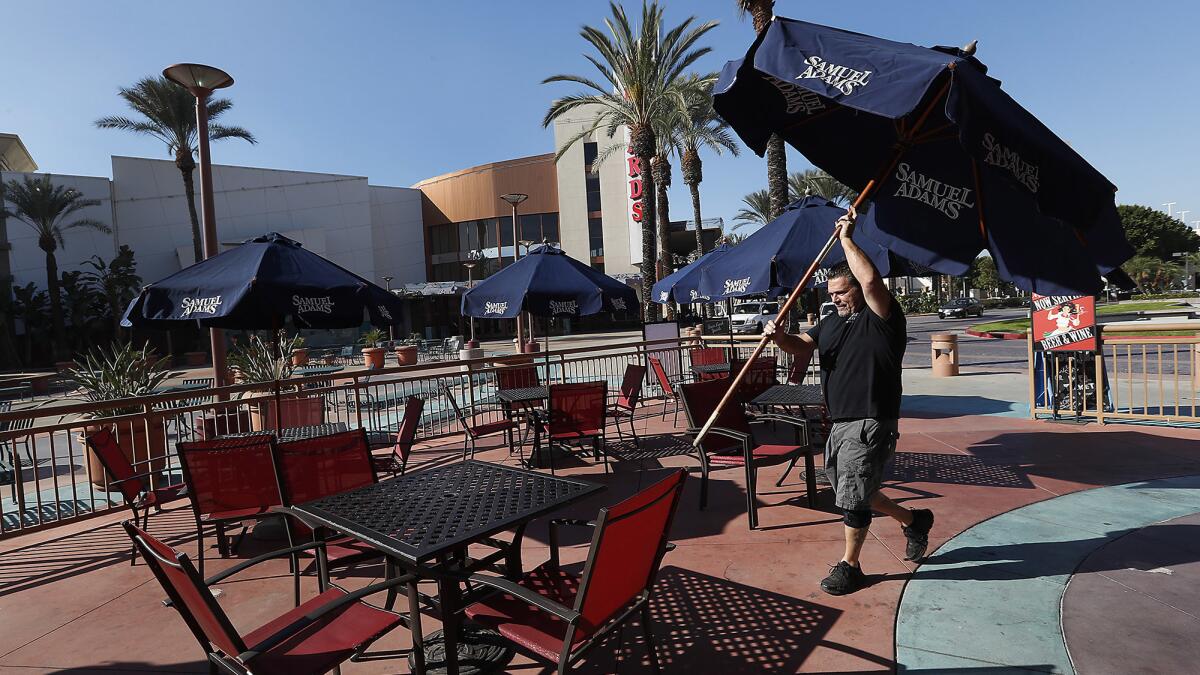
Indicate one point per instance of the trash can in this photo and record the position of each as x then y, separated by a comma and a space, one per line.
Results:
944, 352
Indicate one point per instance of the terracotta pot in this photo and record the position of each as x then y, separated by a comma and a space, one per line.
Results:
532, 347
373, 357
63, 366
195, 358
406, 356
300, 356
133, 441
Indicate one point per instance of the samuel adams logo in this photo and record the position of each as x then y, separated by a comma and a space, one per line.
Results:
563, 307
383, 312
736, 286
1005, 158
192, 306
797, 99
323, 305
663, 296
945, 198
842, 78
495, 307
618, 304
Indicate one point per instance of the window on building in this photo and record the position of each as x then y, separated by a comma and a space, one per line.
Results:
506, 231
550, 226
451, 271
590, 151
443, 238
531, 227
596, 237
598, 266
593, 192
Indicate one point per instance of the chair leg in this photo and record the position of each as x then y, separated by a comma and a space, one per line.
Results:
389, 572
414, 621
751, 502
675, 420
810, 480
650, 638
703, 480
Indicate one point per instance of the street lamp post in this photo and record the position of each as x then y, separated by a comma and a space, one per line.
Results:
514, 198
392, 328
202, 81
471, 344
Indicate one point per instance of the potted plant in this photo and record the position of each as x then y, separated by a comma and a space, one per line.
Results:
406, 352
373, 354
299, 352
258, 361
121, 372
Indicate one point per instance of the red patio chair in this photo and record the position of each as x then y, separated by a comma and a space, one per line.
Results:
731, 442
136, 492
229, 480
760, 377
312, 468
315, 637
517, 377
557, 615
628, 398
473, 431
707, 356
397, 458
576, 413
668, 386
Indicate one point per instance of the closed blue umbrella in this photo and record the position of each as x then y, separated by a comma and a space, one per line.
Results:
951, 164
682, 285
547, 282
260, 284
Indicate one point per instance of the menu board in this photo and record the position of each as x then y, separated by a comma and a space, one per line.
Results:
1064, 323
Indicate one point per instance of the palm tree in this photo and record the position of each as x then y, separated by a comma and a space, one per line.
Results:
29, 305
168, 113
821, 184
660, 168
114, 283
639, 72
699, 127
49, 209
757, 209
760, 12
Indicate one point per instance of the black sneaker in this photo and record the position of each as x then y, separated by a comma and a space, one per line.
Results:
843, 578
917, 534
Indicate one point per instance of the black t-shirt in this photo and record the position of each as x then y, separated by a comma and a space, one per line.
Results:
861, 359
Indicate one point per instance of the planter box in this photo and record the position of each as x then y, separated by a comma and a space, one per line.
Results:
373, 357
194, 359
300, 357
293, 412
406, 356
134, 442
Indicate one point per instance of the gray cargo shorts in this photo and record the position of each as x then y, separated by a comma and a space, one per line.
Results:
855, 458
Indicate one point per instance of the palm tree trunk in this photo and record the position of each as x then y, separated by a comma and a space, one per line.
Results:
189, 190
777, 175
649, 311
695, 187
59, 343
664, 241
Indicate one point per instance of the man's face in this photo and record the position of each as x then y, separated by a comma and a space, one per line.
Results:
847, 297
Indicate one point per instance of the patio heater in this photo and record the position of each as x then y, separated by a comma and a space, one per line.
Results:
202, 81
513, 199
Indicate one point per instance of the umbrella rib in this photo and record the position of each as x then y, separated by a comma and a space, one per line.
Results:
979, 200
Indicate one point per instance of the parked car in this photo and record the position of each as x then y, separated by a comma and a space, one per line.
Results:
750, 317
960, 308
827, 308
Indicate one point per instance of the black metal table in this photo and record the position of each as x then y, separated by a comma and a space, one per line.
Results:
296, 433
711, 369
523, 394
790, 395
425, 520
308, 371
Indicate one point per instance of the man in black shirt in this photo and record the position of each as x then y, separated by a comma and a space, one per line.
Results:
860, 351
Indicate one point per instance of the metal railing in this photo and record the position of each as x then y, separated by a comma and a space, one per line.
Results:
47, 476
1132, 376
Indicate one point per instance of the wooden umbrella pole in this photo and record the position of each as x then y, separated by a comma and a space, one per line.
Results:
812, 269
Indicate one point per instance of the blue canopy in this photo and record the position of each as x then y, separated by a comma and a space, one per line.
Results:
547, 282
780, 252
257, 286
682, 285
954, 164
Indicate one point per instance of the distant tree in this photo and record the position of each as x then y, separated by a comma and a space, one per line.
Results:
820, 184
1152, 275
115, 284
701, 128
1154, 233
984, 275
167, 112
79, 305
50, 211
756, 209
29, 305
761, 12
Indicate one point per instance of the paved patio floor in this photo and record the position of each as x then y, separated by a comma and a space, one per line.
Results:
728, 600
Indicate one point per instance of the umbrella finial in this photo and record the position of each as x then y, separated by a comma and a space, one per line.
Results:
807, 190
969, 48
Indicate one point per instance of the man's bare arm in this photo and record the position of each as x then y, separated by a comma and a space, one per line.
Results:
877, 296
799, 345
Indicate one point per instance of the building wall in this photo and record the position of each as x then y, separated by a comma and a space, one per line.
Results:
396, 231
27, 262
474, 193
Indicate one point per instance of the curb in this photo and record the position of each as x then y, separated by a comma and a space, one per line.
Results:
997, 335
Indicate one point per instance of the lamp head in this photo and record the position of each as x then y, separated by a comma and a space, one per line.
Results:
197, 78
514, 198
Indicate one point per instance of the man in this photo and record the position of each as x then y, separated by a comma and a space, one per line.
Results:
860, 349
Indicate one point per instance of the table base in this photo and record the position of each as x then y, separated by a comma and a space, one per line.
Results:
480, 650
818, 474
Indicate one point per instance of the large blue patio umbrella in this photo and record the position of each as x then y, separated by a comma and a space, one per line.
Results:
260, 284
951, 164
683, 285
547, 282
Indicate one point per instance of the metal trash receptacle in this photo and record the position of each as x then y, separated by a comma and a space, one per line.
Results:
944, 353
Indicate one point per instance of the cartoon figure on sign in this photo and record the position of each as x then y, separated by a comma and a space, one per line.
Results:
1065, 317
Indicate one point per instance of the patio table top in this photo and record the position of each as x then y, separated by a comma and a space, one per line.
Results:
791, 394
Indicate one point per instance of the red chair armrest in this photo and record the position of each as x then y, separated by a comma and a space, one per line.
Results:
530, 596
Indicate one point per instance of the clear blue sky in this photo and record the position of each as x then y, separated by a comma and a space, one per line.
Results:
401, 91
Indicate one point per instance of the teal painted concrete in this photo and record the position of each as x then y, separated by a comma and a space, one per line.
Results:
989, 600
